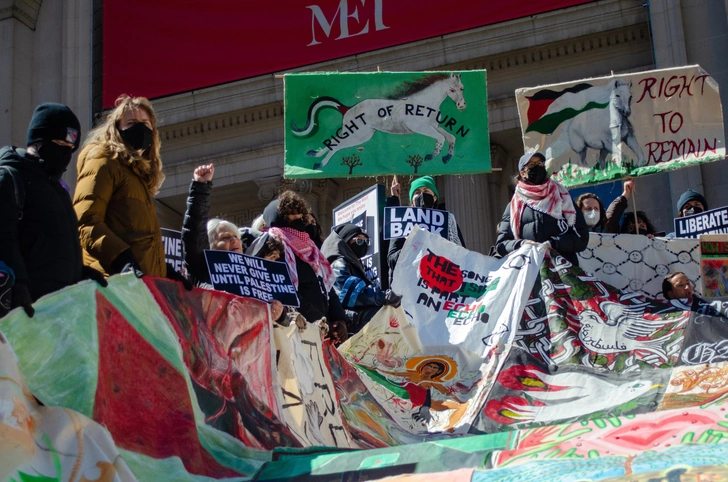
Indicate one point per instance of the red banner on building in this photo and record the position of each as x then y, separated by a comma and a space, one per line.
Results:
165, 47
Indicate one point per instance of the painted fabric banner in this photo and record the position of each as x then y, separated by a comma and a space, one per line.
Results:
372, 124
44, 444
201, 384
606, 128
463, 298
584, 349
637, 263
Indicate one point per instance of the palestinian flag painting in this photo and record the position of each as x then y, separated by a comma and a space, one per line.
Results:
623, 125
548, 109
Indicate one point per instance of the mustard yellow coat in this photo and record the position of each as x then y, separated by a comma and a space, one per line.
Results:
116, 212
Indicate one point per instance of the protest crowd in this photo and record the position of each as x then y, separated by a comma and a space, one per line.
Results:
50, 238
288, 337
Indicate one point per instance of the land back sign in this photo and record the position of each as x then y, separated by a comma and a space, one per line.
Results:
370, 124
602, 129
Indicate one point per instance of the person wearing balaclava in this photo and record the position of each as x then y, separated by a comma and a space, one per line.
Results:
690, 202
38, 226
310, 271
423, 193
119, 173
541, 210
359, 296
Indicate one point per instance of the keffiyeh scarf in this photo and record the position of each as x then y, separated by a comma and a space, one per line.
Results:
299, 244
548, 198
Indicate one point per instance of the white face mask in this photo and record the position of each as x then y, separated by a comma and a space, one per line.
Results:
591, 218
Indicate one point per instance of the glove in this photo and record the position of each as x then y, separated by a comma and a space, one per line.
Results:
175, 276
21, 297
125, 263
92, 274
392, 299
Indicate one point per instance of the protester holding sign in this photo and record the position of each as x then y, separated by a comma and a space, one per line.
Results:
541, 210
311, 272
361, 299
423, 193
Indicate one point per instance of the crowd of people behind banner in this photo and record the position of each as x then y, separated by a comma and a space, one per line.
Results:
50, 239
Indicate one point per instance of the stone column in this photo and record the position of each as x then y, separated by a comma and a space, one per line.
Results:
470, 199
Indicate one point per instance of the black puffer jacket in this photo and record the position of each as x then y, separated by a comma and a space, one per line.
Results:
194, 233
43, 247
540, 227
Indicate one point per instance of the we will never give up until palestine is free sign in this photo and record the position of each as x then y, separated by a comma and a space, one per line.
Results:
372, 124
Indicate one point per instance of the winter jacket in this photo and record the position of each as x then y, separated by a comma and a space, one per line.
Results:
614, 214
194, 233
116, 212
42, 248
540, 227
396, 245
359, 297
314, 303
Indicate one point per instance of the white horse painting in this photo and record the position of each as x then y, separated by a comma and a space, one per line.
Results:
414, 110
600, 129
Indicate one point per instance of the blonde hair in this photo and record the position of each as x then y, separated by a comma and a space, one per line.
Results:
105, 141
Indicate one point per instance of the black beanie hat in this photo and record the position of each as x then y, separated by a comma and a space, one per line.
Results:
347, 231
688, 196
54, 122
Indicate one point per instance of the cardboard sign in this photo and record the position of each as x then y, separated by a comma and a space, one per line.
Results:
372, 124
598, 130
173, 248
714, 221
250, 276
400, 220
366, 211
714, 265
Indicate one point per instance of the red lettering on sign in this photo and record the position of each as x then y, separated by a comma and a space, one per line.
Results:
440, 273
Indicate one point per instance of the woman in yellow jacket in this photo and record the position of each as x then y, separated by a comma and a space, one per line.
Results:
119, 173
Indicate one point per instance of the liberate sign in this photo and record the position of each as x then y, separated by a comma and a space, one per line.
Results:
165, 47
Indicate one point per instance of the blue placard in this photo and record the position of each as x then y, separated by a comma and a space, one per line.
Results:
257, 278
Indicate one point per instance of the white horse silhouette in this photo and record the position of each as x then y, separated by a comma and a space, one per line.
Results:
602, 129
415, 111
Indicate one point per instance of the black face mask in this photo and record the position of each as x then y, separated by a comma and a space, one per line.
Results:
139, 137
359, 250
298, 225
424, 200
311, 230
54, 158
693, 210
536, 175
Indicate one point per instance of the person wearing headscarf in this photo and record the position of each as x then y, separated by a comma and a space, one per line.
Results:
423, 193
541, 210
310, 270
359, 296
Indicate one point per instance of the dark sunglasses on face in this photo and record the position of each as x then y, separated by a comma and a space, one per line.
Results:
361, 241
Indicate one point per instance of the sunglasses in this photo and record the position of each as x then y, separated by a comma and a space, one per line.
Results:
361, 241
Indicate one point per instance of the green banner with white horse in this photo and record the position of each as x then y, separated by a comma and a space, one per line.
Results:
598, 130
371, 124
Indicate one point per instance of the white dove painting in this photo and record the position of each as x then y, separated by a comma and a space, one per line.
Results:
620, 327
561, 396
